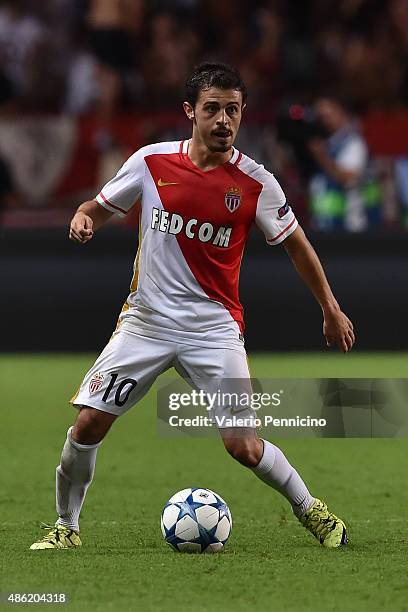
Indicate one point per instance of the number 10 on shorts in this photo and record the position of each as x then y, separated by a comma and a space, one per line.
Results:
122, 392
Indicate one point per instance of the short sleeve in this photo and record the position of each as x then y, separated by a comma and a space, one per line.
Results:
354, 156
274, 216
123, 190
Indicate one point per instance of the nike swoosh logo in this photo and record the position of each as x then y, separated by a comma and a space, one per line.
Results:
164, 184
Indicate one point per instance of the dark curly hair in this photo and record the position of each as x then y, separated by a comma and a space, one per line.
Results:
213, 74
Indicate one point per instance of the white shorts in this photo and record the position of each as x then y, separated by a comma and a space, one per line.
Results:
130, 363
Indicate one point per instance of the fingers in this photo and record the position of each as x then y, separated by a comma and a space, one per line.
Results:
74, 236
339, 331
80, 230
88, 223
81, 236
339, 341
86, 234
344, 340
343, 345
349, 336
347, 343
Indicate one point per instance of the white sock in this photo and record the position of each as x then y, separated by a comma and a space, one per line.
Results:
73, 477
275, 470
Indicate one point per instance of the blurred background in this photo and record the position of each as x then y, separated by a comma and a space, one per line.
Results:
84, 83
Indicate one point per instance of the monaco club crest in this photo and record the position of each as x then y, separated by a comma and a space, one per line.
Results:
233, 198
96, 382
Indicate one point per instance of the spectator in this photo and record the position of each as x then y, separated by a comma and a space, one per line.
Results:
370, 74
399, 32
22, 41
261, 68
114, 26
172, 52
78, 56
336, 187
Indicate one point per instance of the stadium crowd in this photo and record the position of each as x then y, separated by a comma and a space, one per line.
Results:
74, 55
107, 56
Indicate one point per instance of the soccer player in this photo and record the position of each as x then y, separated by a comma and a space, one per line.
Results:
199, 198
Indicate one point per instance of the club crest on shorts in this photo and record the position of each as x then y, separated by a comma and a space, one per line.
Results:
96, 382
233, 198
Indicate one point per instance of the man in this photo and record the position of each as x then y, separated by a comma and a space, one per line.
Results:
24, 45
199, 199
339, 199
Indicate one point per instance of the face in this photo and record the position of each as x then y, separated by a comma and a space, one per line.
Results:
216, 117
331, 114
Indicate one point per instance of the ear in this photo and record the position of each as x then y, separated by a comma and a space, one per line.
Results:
243, 108
189, 110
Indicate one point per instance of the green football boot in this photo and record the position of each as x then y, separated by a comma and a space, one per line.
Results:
58, 536
324, 525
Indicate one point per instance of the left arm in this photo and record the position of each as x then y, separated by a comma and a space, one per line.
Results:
337, 328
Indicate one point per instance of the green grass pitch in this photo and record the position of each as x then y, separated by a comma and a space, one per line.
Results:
270, 562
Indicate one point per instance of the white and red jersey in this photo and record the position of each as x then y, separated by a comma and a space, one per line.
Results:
193, 229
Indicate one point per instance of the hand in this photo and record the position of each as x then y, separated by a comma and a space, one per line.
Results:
81, 228
338, 329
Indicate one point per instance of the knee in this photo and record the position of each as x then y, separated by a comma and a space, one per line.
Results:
247, 451
91, 425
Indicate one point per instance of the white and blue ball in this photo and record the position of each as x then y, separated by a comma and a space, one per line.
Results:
196, 521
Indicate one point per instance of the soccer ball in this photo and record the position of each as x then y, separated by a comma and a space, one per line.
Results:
195, 521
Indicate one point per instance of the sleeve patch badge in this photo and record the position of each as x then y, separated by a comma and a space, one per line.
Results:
283, 210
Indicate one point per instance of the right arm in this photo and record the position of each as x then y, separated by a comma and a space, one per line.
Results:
118, 196
350, 166
89, 217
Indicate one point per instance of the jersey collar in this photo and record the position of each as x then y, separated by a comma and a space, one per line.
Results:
235, 158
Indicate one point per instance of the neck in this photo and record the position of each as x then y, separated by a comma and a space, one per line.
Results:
205, 159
